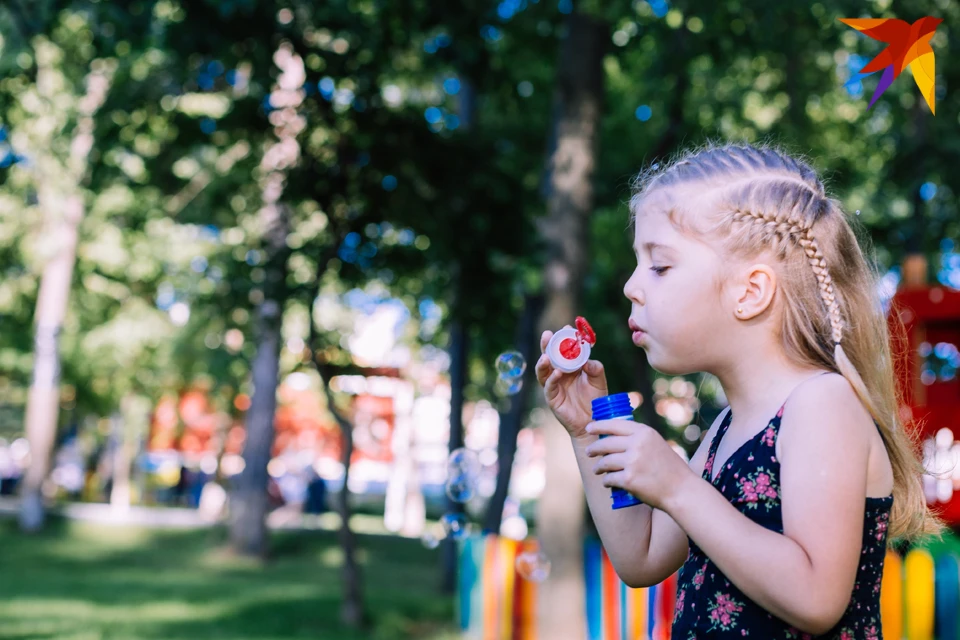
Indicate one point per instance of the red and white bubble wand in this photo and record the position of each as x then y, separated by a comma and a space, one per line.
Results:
569, 349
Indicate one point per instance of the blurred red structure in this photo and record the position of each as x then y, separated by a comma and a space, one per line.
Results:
190, 424
930, 315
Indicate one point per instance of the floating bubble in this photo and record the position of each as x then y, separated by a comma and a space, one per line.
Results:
455, 525
507, 386
463, 461
533, 566
430, 540
510, 364
461, 487
514, 527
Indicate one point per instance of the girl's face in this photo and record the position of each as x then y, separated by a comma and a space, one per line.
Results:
674, 298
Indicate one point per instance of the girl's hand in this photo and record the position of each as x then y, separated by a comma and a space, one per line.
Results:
569, 394
636, 458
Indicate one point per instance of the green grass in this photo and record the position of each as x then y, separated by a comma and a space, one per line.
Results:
84, 582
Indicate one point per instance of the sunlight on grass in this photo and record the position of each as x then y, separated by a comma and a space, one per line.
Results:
80, 580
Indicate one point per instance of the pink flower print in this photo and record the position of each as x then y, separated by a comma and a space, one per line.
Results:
881, 527
698, 578
723, 612
872, 633
846, 634
679, 608
759, 487
768, 436
763, 486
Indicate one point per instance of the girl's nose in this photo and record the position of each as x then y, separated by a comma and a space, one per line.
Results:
632, 291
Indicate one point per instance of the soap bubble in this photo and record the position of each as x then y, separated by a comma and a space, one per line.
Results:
510, 364
533, 566
461, 487
463, 461
430, 540
463, 474
506, 386
455, 525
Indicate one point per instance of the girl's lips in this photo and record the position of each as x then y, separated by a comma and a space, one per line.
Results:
638, 337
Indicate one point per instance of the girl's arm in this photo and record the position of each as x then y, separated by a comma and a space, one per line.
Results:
805, 575
645, 545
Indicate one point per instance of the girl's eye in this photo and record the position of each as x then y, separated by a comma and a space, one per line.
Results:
659, 270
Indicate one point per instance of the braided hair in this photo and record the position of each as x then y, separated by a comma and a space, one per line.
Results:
762, 199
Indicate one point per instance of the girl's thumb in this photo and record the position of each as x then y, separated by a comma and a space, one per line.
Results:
594, 367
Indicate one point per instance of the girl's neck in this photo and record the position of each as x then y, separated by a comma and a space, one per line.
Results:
756, 392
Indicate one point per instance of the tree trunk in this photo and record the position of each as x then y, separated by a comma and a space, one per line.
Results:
120, 487
459, 352
560, 513
351, 608
56, 192
248, 504
43, 401
528, 345
131, 423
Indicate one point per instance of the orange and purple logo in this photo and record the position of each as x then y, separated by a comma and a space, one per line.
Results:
908, 46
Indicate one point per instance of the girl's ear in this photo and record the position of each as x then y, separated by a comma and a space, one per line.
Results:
755, 294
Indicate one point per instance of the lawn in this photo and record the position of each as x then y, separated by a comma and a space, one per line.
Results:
85, 581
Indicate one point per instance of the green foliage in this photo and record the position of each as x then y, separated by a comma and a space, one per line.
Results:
382, 198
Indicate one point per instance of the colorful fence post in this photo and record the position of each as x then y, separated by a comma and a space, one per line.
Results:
919, 595
617, 612
493, 602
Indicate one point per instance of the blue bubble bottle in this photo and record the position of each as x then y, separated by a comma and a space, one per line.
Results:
616, 406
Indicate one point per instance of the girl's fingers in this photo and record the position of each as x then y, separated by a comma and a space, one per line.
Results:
606, 446
543, 368
611, 427
545, 340
594, 368
550, 386
606, 464
615, 479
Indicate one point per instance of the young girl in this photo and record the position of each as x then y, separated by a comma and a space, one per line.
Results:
779, 524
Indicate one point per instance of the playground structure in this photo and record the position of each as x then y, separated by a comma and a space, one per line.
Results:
919, 593
924, 323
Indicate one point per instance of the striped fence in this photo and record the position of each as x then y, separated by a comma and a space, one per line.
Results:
919, 595
495, 603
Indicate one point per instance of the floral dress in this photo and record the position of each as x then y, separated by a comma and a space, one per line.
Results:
710, 606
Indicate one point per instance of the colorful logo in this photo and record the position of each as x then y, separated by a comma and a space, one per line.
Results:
908, 45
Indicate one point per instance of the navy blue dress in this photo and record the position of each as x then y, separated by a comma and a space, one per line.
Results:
710, 606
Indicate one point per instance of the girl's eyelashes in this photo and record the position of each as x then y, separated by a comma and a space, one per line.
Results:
659, 270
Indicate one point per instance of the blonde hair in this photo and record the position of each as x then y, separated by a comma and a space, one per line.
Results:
762, 199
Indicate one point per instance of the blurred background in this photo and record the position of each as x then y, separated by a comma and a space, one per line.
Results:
274, 275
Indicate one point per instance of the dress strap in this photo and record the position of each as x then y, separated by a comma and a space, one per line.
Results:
715, 445
777, 419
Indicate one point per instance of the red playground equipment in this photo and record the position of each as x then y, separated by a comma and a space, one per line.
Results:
924, 322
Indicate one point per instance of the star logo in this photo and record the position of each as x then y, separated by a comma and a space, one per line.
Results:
908, 46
